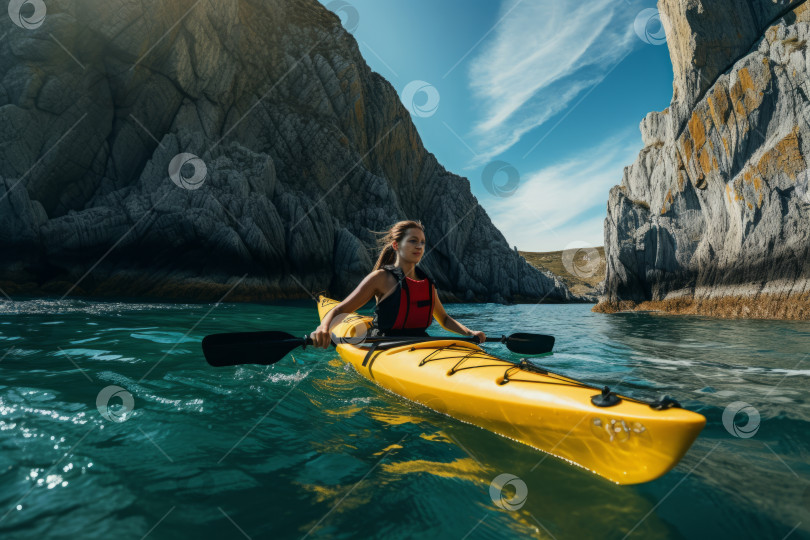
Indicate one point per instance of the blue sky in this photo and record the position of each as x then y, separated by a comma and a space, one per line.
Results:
550, 92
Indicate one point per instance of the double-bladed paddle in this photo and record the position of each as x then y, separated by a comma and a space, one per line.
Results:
268, 347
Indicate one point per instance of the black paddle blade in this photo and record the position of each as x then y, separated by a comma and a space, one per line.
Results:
238, 348
523, 343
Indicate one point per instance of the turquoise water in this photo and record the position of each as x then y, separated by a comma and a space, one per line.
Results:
307, 447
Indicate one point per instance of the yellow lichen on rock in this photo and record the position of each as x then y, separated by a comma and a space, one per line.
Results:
697, 130
784, 157
802, 12
708, 163
745, 90
668, 200
687, 147
718, 105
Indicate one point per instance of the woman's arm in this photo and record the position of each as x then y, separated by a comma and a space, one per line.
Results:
449, 323
358, 298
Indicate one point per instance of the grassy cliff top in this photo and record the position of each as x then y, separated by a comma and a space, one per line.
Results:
582, 270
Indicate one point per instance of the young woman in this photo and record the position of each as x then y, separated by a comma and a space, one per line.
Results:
406, 297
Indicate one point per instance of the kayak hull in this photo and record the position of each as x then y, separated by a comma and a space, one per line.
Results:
627, 443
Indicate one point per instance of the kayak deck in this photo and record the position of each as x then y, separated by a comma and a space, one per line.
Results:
628, 443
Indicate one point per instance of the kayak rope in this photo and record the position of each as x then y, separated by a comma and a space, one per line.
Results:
512, 367
470, 353
665, 402
554, 378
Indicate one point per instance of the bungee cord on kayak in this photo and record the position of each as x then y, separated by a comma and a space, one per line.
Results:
512, 368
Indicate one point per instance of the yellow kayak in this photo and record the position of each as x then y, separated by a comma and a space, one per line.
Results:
629, 442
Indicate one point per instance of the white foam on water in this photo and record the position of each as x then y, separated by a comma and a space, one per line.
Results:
96, 354
171, 338
288, 377
781, 372
792, 372
664, 361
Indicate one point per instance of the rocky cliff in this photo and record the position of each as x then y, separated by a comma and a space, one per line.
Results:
714, 215
192, 150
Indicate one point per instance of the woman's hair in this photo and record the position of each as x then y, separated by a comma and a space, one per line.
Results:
394, 234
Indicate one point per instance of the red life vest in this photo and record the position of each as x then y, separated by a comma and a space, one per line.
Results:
409, 309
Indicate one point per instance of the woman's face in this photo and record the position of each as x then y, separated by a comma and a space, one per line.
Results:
412, 246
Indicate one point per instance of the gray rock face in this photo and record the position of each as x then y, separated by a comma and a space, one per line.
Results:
714, 215
295, 151
706, 37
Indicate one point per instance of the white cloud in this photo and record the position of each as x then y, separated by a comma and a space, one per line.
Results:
565, 201
544, 53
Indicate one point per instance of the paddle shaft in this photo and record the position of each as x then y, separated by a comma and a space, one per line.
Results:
306, 340
268, 347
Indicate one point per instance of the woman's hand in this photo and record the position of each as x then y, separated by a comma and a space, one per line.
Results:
321, 337
482, 337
